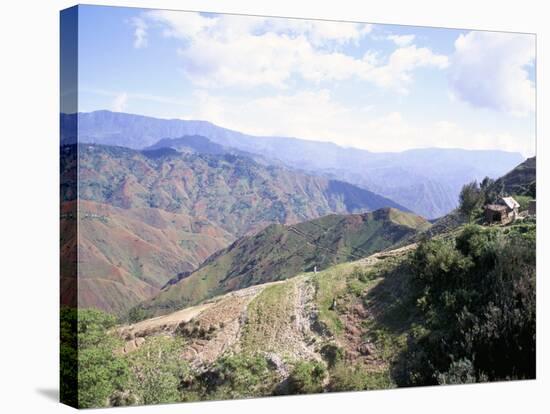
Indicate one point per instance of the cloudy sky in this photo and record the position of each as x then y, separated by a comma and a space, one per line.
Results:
371, 86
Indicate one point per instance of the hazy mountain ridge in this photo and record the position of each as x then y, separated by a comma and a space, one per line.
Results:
399, 176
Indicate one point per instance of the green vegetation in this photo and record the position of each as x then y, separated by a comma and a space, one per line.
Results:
520, 181
235, 376
279, 252
157, 372
103, 376
329, 286
477, 296
523, 201
471, 200
457, 309
307, 378
267, 317
100, 373
345, 377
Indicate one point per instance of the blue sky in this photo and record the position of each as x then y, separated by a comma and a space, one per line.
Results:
377, 87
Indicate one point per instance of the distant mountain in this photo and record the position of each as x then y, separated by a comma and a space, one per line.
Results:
191, 143
282, 251
426, 181
146, 216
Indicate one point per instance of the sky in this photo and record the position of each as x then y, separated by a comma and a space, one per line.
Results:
370, 86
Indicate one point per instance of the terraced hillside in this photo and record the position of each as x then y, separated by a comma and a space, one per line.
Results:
279, 252
448, 310
302, 318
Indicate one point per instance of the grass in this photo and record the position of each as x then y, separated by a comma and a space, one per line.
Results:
268, 314
329, 285
344, 377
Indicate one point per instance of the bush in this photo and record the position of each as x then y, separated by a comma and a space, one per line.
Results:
137, 314
523, 201
477, 295
460, 372
307, 378
158, 371
333, 354
101, 372
356, 378
236, 376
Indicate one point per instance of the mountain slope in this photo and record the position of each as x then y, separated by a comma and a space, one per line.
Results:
145, 217
291, 320
279, 252
426, 181
520, 180
234, 192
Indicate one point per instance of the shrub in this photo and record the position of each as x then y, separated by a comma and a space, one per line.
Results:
356, 378
158, 371
101, 371
478, 299
332, 354
459, 372
236, 376
307, 378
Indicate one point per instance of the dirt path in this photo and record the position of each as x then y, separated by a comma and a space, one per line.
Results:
377, 257
218, 326
162, 323
304, 311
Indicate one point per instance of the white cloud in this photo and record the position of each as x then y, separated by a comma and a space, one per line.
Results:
316, 115
489, 70
119, 103
226, 50
397, 73
140, 32
320, 32
402, 40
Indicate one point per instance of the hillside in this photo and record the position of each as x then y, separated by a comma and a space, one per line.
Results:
126, 255
231, 191
520, 181
279, 252
164, 212
286, 320
392, 319
426, 181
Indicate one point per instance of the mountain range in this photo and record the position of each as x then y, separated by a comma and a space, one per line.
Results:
426, 181
146, 216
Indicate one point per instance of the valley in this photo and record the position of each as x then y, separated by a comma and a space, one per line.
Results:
207, 271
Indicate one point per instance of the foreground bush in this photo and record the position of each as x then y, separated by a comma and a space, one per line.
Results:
477, 296
307, 378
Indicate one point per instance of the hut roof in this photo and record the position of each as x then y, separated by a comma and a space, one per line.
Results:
495, 207
510, 202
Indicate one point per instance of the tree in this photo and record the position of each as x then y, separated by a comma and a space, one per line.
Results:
488, 187
471, 198
101, 371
